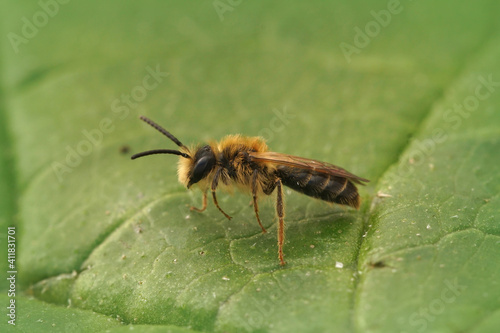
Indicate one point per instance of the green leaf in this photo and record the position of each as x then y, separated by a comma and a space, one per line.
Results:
105, 238
36, 316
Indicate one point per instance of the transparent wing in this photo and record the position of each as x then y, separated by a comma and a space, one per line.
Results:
305, 163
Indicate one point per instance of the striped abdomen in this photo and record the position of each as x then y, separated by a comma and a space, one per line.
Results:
320, 185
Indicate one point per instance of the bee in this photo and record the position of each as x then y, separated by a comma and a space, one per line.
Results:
247, 163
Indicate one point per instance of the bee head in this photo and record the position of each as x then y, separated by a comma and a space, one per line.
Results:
193, 170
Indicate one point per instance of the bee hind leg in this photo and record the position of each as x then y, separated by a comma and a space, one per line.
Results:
254, 195
204, 205
280, 211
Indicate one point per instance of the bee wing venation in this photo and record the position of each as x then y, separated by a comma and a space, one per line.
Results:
305, 163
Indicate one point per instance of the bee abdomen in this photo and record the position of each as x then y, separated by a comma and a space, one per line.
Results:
321, 186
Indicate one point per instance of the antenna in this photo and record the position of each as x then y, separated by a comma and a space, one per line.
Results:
159, 151
162, 131
162, 151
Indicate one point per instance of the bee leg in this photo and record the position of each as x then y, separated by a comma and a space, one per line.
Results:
215, 183
204, 204
280, 211
254, 195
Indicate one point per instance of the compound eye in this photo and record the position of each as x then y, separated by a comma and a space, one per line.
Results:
200, 169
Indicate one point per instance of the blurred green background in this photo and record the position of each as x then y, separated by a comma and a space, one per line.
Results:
404, 93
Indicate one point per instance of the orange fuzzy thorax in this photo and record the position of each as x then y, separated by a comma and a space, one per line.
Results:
239, 143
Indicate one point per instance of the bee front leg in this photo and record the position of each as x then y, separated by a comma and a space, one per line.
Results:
254, 195
204, 205
215, 183
280, 211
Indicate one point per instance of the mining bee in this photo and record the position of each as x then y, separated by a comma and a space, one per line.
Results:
247, 163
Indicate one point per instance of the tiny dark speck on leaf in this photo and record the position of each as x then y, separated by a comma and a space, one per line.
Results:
378, 264
124, 149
